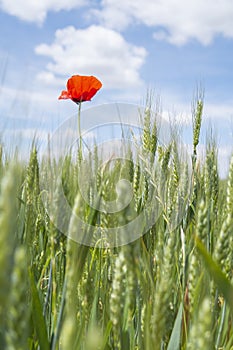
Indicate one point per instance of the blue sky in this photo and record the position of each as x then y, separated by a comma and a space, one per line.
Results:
170, 47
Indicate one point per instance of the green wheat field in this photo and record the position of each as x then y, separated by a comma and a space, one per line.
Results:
171, 288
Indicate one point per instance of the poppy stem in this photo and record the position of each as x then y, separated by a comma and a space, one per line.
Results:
79, 130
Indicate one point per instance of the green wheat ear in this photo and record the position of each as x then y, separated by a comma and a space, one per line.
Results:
154, 140
200, 336
193, 276
202, 224
146, 138
163, 295
18, 310
117, 298
8, 219
211, 177
32, 177
197, 120
229, 197
223, 249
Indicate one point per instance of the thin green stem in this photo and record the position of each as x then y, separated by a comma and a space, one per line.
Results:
79, 129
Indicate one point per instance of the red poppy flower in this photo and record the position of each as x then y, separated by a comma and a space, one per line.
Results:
81, 88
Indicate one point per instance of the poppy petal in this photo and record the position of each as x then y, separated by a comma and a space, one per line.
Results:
81, 88
64, 95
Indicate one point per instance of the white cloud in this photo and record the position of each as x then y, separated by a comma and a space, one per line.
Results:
177, 21
48, 78
218, 111
36, 11
93, 51
29, 134
23, 99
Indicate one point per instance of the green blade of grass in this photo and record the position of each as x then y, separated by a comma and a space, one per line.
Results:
106, 335
174, 342
37, 315
223, 284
